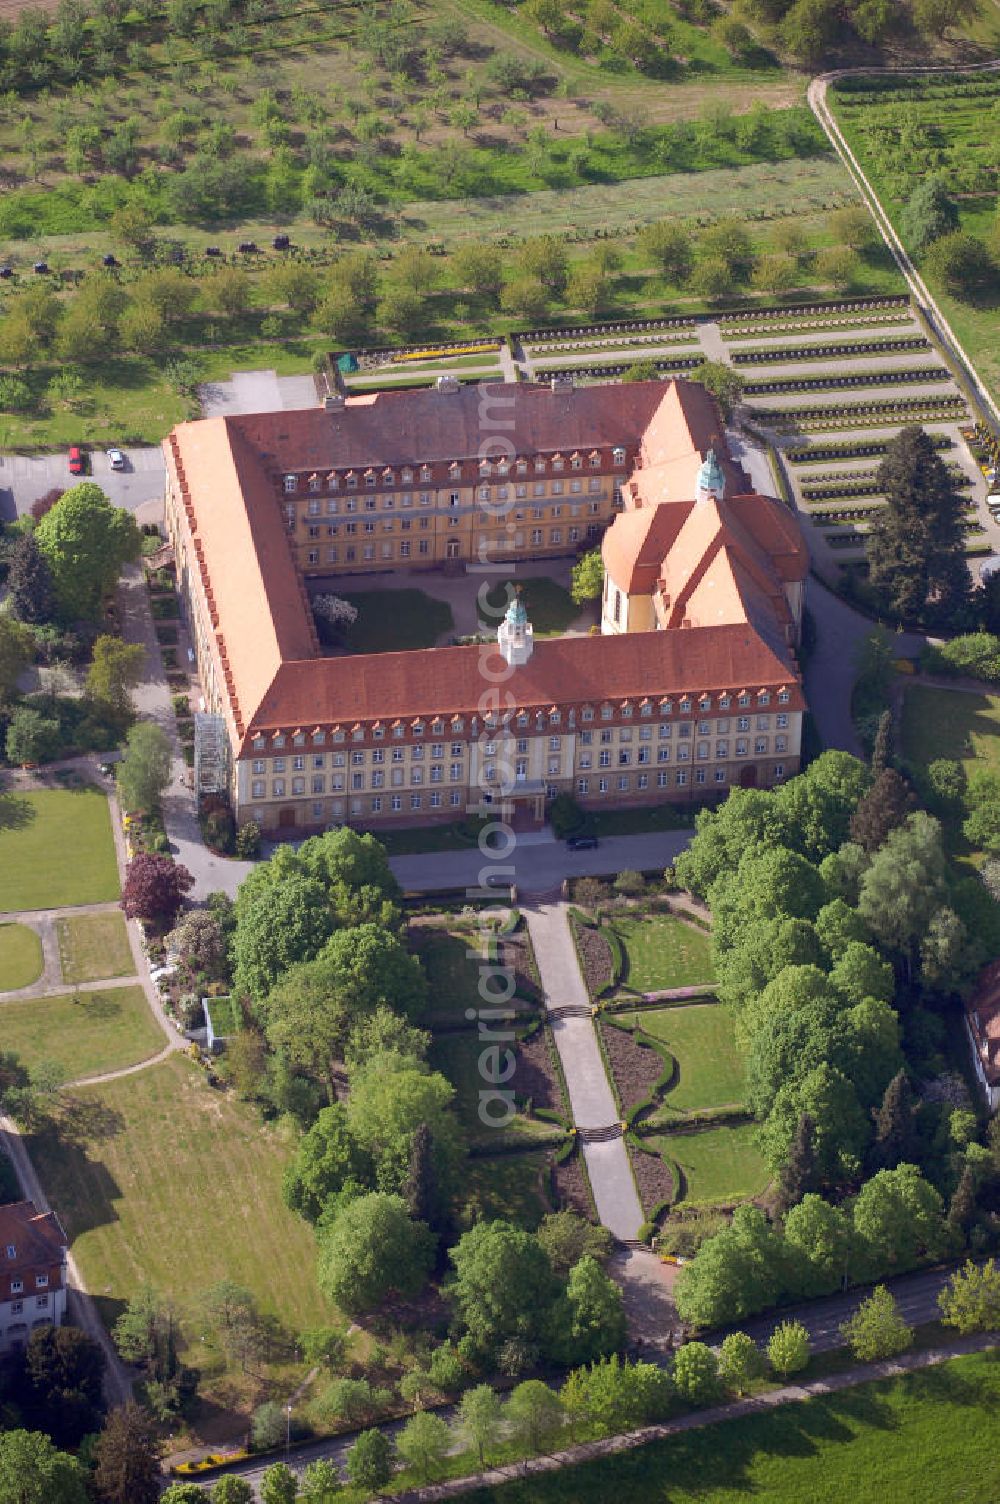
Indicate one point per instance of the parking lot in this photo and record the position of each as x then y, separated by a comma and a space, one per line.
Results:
24, 478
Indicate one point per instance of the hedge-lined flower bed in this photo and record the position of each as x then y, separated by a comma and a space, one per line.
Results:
585, 331
815, 454
803, 326
862, 414
793, 310
781, 354
636, 1066
654, 1181
668, 363
595, 955
891, 377
865, 486
570, 1185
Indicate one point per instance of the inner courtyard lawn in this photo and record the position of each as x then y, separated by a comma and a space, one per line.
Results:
663, 951
550, 607
161, 1181
717, 1164
56, 850
928, 1435
20, 957
84, 1033
390, 621
709, 1066
93, 947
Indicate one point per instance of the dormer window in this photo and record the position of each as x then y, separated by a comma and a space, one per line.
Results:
388, 477
407, 476
522, 719
686, 706
666, 707
417, 728
646, 708
724, 702
454, 470
744, 699
587, 713
575, 462
705, 703
259, 743
279, 738
627, 711
437, 727
357, 733
337, 734
783, 697
554, 718
315, 482
457, 724
485, 468
425, 472
319, 737
764, 697
606, 712
291, 484
351, 478
378, 731
522, 467
595, 459
333, 480
369, 477
539, 463
558, 463
618, 455
299, 739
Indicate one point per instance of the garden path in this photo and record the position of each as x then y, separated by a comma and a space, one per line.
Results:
591, 1100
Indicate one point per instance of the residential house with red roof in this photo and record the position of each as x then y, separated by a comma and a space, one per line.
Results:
32, 1273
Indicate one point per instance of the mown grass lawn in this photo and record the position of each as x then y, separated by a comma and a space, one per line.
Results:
951, 723
452, 972
512, 1187
390, 621
927, 1435
718, 1164
161, 1181
709, 1066
84, 1033
663, 951
550, 607
456, 1056
20, 957
93, 947
56, 850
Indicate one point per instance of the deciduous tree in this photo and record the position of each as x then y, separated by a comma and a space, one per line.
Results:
144, 772
115, 669
970, 1300
372, 1249
154, 888
370, 1460
86, 541
877, 1330
423, 1444
788, 1348
33, 1471
740, 1362
127, 1458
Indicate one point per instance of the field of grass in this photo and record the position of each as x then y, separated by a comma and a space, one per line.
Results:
700, 1037
452, 975
717, 1164
161, 1181
20, 957
925, 1435
456, 1056
93, 947
663, 951
550, 607
56, 850
509, 1186
950, 723
84, 1033
391, 620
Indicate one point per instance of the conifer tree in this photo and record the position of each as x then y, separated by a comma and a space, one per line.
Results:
29, 580
895, 1131
798, 1174
916, 547
962, 1208
884, 807
882, 746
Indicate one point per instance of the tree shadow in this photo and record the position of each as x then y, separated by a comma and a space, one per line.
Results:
15, 812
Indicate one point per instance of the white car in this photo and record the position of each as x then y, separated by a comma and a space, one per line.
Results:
116, 459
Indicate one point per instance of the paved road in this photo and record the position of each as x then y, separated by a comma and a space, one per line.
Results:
24, 478
916, 1296
539, 864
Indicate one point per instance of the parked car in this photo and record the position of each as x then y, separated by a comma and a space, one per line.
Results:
116, 459
582, 843
77, 460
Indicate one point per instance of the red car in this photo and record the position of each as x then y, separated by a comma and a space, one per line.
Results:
77, 464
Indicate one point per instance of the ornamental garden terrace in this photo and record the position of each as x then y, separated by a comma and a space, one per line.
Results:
691, 685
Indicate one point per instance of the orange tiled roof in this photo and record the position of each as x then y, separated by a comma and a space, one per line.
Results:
36, 1237
561, 670
398, 428
983, 1013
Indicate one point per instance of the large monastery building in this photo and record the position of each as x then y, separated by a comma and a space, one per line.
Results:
691, 686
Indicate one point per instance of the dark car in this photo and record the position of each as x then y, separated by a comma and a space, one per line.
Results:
582, 843
77, 462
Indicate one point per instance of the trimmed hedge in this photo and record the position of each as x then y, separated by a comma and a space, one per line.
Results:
889, 377
775, 354
815, 454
